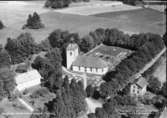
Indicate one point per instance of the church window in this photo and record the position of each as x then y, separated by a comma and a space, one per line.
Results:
85, 69
96, 69
133, 90
70, 53
91, 69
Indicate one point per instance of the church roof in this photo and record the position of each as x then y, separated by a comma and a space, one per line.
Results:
90, 61
141, 82
72, 46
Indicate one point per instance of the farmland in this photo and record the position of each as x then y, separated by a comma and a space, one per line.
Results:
134, 21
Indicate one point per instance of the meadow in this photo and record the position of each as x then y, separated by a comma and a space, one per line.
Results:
14, 16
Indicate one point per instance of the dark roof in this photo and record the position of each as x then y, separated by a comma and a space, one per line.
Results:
141, 82
90, 61
72, 46
109, 50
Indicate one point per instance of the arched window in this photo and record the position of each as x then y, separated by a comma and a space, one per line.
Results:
70, 53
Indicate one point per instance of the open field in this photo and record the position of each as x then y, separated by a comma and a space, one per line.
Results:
142, 19
14, 17
96, 7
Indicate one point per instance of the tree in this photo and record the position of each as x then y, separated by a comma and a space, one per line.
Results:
55, 39
91, 115
45, 68
57, 3
7, 82
87, 43
4, 59
164, 89
57, 108
165, 38
109, 106
107, 90
78, 97
90, 91
101, 113
21, 48
154, 85
33, 22
1, 25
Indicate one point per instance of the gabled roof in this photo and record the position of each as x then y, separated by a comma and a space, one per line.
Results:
27, 76
90, 61
72, 46
141, 82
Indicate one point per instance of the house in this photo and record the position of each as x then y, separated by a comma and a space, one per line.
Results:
27, 79
97, 61
139, 86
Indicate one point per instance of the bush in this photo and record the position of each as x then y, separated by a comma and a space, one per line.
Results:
1, 25
40, 93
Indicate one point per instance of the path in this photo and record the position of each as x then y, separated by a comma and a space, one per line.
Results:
26, 105
147, 66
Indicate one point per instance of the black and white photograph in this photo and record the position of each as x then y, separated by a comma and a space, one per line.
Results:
83, 59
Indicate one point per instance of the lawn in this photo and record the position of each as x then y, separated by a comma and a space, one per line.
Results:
14, 109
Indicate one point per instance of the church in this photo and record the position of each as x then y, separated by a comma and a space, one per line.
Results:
97, 61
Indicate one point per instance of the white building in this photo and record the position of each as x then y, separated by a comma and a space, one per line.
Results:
90, 64
27, 79
83, 63
138, 88
72, 52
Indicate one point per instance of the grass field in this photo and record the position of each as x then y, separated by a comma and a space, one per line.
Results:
142, 20
14, 17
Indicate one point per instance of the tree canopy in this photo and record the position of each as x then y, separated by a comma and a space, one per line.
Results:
34, 22
7, 82
21, 47
56, 4
69, 103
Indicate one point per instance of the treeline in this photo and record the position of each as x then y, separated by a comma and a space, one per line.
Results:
61, 3
118, 79
69, 102
130, 2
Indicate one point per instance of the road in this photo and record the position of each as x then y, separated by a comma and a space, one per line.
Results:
147, 66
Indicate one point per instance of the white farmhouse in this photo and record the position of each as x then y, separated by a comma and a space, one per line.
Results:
27, 79
138, 88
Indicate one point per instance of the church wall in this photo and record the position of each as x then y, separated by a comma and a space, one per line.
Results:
99, 71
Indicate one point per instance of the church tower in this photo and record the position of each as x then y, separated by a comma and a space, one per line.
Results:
72, 51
